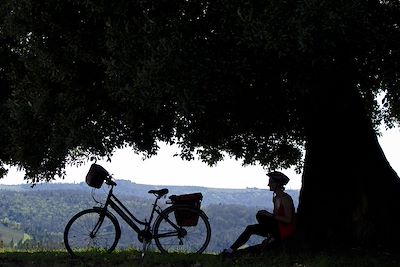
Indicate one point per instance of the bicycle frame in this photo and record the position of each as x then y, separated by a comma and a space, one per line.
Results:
113, 202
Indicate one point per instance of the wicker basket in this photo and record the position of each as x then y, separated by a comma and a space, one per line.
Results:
184, 217
96, 175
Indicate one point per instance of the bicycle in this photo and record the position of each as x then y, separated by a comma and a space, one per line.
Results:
181, 227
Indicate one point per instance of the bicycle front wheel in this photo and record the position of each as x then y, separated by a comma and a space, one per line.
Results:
91, 229
182, 229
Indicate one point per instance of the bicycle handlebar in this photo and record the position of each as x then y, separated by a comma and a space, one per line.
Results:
108, 180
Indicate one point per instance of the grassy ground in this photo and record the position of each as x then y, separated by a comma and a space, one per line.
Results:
133, 258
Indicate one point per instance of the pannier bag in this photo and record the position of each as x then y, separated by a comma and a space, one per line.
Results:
184, 217
96, 175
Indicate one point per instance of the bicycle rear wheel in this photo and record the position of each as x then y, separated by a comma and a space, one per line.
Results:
172, 235
91, 230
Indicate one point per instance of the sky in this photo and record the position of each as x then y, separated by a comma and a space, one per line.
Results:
165, 169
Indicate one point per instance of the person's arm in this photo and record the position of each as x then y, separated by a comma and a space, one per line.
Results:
287, 203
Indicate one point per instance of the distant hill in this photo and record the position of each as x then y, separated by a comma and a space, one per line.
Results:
248, 197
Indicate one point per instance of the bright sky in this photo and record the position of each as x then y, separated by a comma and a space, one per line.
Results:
164, 169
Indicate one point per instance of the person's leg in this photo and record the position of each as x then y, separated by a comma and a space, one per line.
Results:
271, 224
274, 237
255, 229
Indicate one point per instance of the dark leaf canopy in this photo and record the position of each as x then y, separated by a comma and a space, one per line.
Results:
81, 78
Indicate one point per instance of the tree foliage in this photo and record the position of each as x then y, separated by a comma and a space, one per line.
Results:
81, 78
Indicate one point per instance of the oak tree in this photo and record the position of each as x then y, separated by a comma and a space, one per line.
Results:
260, 80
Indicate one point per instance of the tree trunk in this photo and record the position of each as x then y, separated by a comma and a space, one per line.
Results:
350, 194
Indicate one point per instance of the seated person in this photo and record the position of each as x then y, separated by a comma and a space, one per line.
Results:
275, 226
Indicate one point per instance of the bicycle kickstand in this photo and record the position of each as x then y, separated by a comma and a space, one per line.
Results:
146, 245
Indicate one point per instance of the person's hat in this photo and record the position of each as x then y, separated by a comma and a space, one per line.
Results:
278, 177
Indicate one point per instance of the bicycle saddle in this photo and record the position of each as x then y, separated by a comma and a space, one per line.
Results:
159, 193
